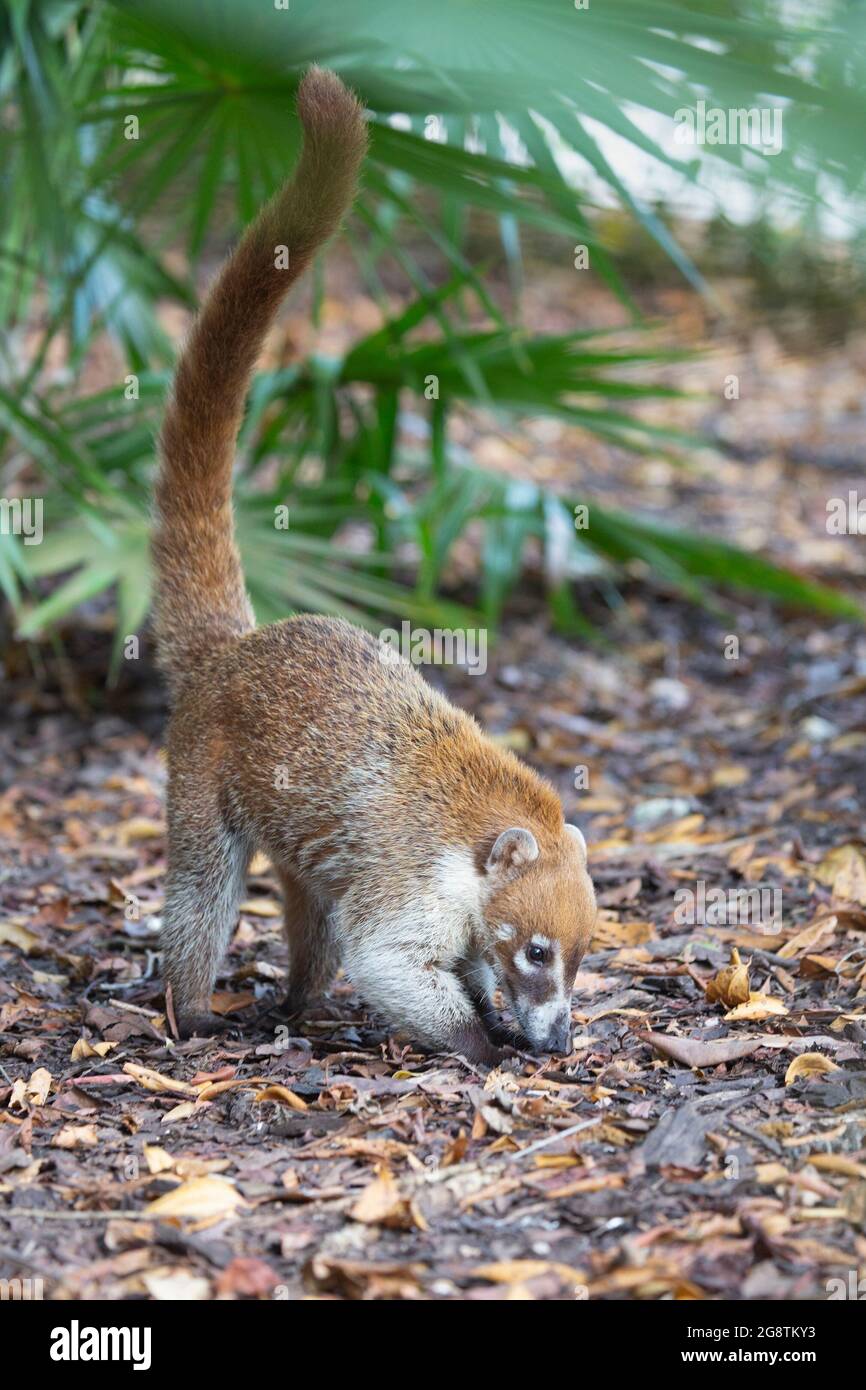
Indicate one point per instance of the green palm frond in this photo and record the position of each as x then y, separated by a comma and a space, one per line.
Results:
125, 121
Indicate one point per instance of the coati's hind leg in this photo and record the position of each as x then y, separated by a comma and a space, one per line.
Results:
207, 865
313, 952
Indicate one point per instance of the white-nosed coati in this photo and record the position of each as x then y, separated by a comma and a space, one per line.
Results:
434, 865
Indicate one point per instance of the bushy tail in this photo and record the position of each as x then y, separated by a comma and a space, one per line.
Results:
201, 600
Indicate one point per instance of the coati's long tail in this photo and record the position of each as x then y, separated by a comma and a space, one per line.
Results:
201, 600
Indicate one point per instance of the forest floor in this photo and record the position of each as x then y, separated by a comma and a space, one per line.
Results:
705, 1138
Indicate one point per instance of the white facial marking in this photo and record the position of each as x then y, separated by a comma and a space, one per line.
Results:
505, 931
543, 1016
539, 1019
523, 963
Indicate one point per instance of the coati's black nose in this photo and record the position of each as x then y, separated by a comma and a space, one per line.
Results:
559, 1039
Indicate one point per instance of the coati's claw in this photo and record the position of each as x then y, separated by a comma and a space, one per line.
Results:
275, 1013
504, 1037
290, 1007
206, 1026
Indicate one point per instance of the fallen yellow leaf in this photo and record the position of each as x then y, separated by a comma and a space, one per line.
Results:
38, 1086
731, 986
155, 1081
140, 828
180, 1112
261, 907
808, 1064
75, 1137
381, 1204
12, 935
756, 1007
176, 1285
83, 1049
157, 1159
804, 941
844, 869
519, 1271
283, 1095
198, 1198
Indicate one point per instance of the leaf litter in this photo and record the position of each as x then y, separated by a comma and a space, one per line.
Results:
705, 1138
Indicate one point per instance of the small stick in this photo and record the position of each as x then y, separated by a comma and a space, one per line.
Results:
560, 1134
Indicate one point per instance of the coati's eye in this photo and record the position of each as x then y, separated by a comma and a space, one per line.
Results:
536, 954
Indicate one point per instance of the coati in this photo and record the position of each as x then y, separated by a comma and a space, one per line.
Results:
433, 864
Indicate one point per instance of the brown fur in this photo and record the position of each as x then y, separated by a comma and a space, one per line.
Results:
200, 595
382, 807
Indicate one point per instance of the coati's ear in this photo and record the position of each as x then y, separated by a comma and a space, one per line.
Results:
578, 836
513, 852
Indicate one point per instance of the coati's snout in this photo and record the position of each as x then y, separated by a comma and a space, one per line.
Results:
540, 913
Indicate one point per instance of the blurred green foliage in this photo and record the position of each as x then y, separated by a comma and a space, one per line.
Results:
121, 127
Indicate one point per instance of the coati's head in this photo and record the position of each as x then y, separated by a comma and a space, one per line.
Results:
539, 911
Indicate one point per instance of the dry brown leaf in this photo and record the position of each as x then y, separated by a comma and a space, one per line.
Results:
199, 1167
75, 1137
224, 1001
769, 1174
694, 1052
757, 1006
609, 935
37, 1088
731, 986
248, 1276
207, 1090
83, 1049
180, 1112
198, 1199
13, 935
816, 967
844, 869
682, 829
139, 828
381, 1204
176, 1285
821, 928
520, 1271
838, 1163
157, 1159
809, 1064
155, 1081
261, 907
730, 775
600, 1182
283, 1095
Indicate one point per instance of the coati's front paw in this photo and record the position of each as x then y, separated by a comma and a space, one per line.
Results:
292, 1005
203, 1025
504, 1037
475, 1046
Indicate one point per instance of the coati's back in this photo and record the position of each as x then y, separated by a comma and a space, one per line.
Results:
309, 717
